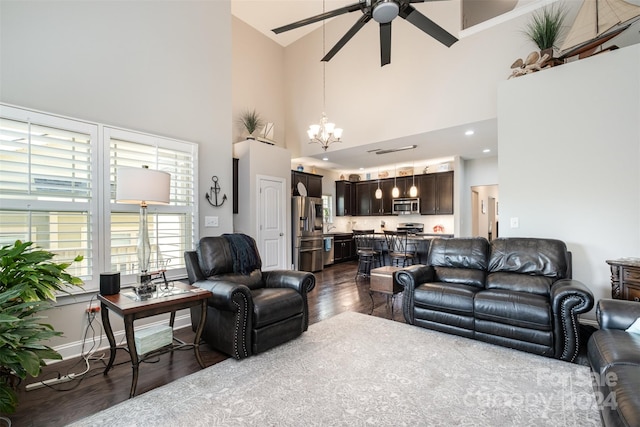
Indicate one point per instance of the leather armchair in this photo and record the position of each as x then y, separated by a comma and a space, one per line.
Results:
251, 310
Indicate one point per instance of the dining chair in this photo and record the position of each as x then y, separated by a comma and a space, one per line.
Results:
401, 252
368, 255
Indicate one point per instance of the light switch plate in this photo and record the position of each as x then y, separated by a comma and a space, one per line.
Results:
515, 222
211, 221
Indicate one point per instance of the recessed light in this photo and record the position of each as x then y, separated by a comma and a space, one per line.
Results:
469, 132
325, 159
361, 169
486, 150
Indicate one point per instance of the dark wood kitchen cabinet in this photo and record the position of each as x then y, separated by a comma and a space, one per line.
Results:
345, 198
312, 182
343, 247
436, 193
444, 193
363, 198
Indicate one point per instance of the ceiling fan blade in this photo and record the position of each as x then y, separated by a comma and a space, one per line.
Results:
317, 18
385, 44
409, 13
352, 31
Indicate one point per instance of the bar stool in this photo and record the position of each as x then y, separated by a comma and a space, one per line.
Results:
368, 256
399, 251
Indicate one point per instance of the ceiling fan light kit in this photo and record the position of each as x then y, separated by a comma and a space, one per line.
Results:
383, 12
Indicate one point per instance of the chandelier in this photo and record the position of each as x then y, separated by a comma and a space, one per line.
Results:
325, 133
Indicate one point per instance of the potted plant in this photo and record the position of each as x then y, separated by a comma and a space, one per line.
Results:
251, 121
545, 27
29, 281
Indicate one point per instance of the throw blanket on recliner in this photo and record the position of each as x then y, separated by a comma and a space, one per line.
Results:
245, 258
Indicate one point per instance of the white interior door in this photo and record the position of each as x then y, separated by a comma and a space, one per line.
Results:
272, 216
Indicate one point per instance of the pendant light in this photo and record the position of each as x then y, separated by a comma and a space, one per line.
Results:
395, 192
378, 191
413, 191
325, 133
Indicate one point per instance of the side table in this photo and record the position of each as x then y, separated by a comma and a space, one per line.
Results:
382, 281
625, 278
129, 308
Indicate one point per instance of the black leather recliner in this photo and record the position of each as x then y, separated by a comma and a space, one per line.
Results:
251, 310
515, 292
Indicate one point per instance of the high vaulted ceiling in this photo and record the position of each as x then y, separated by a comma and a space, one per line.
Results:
433, 147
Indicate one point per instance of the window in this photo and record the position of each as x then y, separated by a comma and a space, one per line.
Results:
47, 185
171, 228
327, 208
57, 189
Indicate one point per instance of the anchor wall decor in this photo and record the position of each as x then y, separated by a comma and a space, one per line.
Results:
214, 192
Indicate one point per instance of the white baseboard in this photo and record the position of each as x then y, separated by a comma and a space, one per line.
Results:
74, 349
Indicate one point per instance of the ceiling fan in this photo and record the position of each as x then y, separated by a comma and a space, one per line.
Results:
383, 12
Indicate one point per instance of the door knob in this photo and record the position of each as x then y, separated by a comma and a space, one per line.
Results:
281, 234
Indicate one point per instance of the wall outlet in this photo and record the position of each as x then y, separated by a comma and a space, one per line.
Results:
515, 222
211, 221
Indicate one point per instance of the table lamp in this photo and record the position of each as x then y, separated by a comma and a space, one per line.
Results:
146, 187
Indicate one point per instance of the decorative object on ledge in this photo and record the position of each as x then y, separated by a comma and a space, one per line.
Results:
545, 27
533, 63
214, 192
251, 121
597, 22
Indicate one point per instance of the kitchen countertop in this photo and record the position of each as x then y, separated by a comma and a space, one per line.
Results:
379, 233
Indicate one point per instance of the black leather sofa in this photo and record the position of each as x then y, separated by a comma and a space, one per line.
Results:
614, 356
515, 292
251, 310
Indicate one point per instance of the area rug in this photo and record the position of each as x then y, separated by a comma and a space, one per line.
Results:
359, 370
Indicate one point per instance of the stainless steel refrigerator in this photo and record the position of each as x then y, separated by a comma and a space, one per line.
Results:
307, 222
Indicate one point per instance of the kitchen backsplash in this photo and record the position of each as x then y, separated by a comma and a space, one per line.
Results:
347, 224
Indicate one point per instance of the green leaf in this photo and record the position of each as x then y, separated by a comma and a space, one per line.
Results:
8, 399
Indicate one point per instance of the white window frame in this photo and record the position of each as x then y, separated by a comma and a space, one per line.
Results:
110, 133
99, 207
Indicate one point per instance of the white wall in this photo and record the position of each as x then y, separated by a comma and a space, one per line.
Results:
162, 67
426, 87
569, 143
257, 158
257, 79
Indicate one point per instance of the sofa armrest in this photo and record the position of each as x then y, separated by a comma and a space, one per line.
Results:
301, 281
410, 278
227, 296
568, 299
617, 314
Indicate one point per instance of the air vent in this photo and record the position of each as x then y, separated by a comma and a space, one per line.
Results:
393, 150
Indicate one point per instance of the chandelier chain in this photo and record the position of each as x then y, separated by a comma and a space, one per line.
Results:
326, 132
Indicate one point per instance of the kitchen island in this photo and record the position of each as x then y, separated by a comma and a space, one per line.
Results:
418, 242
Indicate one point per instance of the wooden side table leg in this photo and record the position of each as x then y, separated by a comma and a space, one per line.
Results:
196, 340
104, 313
133, 353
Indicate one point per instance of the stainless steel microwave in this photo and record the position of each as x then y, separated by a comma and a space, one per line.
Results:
406, 206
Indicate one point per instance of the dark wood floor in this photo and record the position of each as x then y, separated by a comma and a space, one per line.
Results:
336, 291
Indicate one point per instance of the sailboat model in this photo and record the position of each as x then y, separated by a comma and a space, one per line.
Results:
597, 22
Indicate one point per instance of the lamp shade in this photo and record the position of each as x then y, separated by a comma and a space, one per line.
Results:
142, 185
